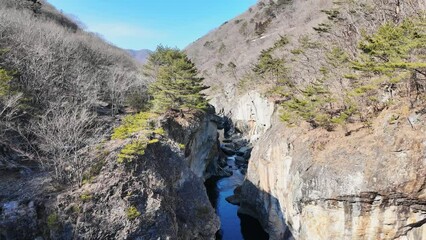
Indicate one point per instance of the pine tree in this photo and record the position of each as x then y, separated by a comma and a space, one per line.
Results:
393, 50
177, 84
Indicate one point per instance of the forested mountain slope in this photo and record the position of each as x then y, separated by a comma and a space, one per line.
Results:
56, 79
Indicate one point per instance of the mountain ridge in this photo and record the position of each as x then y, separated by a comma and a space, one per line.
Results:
139, 55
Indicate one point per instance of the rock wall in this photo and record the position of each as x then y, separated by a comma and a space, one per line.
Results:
369, 184
169, 201
251, 113
198, 133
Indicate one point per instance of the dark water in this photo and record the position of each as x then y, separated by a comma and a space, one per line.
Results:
233, 226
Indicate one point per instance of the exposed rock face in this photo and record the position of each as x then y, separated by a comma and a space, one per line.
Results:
325, 185
251, 114
170, 201
159, 195
199, 136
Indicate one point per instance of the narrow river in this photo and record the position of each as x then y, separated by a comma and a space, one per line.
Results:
234, 226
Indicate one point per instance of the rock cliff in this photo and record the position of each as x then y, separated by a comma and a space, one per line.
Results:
370, 184
158, 195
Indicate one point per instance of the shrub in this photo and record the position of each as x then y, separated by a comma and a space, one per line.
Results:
52, 221
132, 213
131, 150
85, 197
133, 124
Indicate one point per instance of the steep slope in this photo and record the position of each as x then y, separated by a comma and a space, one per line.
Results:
349, 161
227, 53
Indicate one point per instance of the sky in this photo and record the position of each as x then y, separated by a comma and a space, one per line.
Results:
144, 24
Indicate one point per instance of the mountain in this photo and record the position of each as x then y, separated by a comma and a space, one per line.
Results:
140, 55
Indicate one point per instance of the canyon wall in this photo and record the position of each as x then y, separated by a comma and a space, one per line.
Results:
369, 184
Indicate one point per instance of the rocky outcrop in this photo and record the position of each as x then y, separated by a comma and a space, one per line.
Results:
157, 195
197, 134
154, 196
369, 184
250, 113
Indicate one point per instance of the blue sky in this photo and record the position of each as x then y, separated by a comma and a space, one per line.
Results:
139, 24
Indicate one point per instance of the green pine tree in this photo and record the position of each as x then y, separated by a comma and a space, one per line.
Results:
393, 51
176, 84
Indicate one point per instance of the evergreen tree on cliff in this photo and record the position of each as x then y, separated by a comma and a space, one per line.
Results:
176, 83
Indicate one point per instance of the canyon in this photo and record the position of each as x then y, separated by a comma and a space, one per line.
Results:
357, 173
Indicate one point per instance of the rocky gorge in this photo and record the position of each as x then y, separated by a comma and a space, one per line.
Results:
361, 179
354, 188
316, 128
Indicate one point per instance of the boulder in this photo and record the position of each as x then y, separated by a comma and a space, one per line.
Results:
227, 151
233, 199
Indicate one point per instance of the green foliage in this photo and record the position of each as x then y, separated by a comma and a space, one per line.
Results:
332, 14
269, 66
232, 65
177, 84
133, 124
297, 51
132, 213
393, 50
131, 150
159, 131
261, 27
85, 197
337, 57
306, 43
181, 146
208, 44
313, 105
143, 124
219, 65
96, 168
53, 221
323, 28
281, 42
245, 82
393, 119
4, 82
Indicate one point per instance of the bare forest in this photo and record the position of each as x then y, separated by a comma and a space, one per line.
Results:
60, 88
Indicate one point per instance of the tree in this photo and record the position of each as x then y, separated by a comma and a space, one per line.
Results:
177, 84
395, 53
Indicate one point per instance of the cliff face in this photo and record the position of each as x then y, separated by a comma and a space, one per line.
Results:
325, 185
160, 194
198, 134
250, 113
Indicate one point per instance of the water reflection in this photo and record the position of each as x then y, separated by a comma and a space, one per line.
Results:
233, 226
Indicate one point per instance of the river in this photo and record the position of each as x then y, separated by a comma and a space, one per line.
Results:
234, 226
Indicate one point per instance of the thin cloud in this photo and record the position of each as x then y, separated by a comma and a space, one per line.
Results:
116, 30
